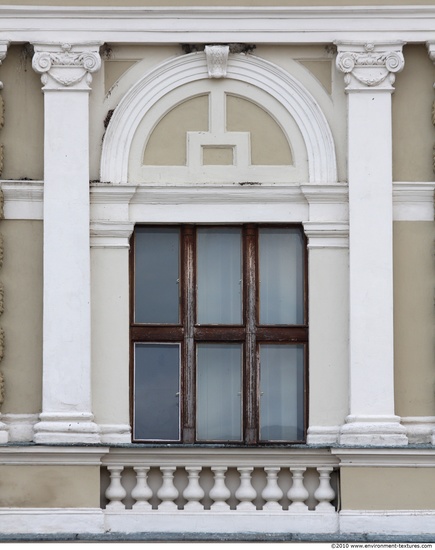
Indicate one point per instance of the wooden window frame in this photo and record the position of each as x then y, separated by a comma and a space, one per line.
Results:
250, 334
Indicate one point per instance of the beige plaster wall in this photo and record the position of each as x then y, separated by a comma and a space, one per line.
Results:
399, 488
413, 131
23, 132
50, 486
414, 318
21, 275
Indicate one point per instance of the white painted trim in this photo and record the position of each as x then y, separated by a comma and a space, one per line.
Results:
43, 455
234, 521
327, 234
20, 426
218, 25
386, 522
40, 521
388, 458
255, 71
190, 456
115, 433
413, 201
419, 429
23, 200
323, 435
111, 234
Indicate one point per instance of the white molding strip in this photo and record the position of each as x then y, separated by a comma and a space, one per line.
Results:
419, 429
64, 456
222, 522
391, 458
386, 522
23, 200
413, 201
207, 25
40, 521
20, 426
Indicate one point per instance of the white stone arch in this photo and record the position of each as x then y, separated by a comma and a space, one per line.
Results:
245, 68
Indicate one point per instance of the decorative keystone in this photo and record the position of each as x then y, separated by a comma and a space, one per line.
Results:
217, 60
367, 66
66, 65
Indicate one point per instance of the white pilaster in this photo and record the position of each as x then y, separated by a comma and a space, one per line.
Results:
4, 429
66, 408
431, 51
369, 76
110, 328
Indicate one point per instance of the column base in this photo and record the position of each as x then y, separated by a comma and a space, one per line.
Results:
115, 433
419, 429
4, 433
323, 435
20, 426
380, 431
66, 428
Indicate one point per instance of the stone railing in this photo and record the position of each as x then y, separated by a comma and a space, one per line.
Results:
214, 482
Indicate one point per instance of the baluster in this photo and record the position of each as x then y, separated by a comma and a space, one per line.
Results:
245, 492
193, 493
297, 492
219, 492
272, 493
167, 492
115, 492
324, 492
141, 492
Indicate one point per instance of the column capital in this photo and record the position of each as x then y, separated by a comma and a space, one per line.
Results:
369, 66
66, 66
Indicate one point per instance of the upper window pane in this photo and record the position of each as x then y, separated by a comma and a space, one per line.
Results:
157, 275
219, 276
281, 276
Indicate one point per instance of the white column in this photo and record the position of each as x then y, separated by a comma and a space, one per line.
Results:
66, 404
369, 76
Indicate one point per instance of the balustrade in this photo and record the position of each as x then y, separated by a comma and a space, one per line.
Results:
216, 488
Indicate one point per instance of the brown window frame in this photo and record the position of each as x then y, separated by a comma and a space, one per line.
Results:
251, 334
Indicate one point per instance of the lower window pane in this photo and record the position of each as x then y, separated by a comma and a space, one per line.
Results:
219, 389
281, 392
156, 392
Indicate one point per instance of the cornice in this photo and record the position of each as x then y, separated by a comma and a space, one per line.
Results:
218, 24
393, 457
35, 455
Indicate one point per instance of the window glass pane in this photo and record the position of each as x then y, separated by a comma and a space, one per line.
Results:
281, 392
157, 275
156, 391
219, 276
281, 276
219, 387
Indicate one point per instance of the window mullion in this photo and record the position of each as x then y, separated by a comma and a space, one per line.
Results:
251, 375
188, 312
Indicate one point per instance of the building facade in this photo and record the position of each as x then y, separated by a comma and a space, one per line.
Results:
217, 281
